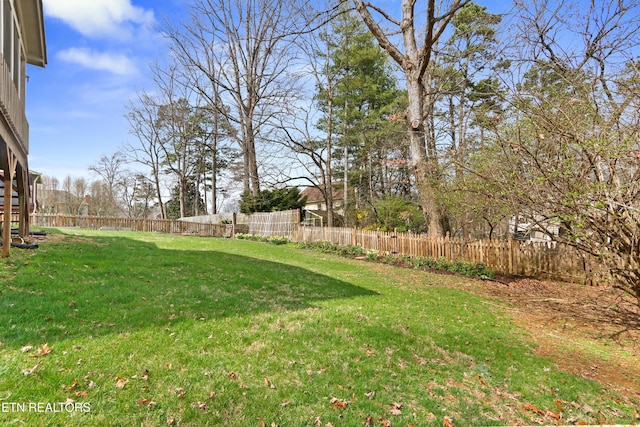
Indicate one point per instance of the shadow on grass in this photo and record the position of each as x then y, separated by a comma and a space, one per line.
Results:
94, 286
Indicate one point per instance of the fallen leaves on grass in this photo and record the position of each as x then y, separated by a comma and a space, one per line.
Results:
27, 372
43, 350
339, 403
448, 422
121, 383
72, 387
200, 405
543, 413
396, 409
146, 402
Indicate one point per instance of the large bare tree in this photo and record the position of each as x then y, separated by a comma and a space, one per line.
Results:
413, 53
144, 125
243, 48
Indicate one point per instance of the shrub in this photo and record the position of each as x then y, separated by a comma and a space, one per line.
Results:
277, 240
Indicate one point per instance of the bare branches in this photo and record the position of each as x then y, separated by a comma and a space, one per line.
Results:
379, 33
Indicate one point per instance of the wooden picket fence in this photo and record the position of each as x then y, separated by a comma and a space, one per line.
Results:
129, 224
549, 260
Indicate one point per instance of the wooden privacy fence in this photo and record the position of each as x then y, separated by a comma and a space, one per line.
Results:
543, 260
283, 223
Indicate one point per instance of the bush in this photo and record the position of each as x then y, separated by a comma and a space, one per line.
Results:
274, 240
277, 240
330, 247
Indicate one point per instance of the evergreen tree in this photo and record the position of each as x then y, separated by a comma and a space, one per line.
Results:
281, 199
193, 201
361, 101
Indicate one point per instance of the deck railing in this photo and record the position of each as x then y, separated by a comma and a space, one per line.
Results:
12, 107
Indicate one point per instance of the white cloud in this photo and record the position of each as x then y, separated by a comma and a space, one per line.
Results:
114, 63
100, 18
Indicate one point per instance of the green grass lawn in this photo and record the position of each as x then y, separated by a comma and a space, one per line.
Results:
149, 330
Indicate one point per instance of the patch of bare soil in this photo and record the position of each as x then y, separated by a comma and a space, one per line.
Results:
591, 331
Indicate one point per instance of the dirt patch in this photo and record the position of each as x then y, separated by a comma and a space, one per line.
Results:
591, 331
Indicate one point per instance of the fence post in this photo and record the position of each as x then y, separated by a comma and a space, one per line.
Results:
234, 221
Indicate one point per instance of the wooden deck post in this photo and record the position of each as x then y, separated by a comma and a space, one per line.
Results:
9, 172
6, 222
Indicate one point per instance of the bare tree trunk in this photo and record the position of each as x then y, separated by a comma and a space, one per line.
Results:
415, 61
424, 168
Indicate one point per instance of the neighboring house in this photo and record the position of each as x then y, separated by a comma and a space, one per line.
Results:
539, 231
22, 42
316, 205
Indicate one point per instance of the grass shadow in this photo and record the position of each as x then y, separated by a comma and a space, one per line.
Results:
94, 286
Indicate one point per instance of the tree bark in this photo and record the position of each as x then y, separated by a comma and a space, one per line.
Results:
414, 62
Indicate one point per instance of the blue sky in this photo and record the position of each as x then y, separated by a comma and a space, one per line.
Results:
98, 56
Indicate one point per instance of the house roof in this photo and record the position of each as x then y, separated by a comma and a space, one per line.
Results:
31, 17
315, 194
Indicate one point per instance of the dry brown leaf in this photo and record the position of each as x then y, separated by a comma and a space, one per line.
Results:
532, 408
200, 405
396, 409
338, 403
43, 350
448, 422
84, 394
554, 415
481, 380
142, 402
171, 421
560, 404
121, 383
